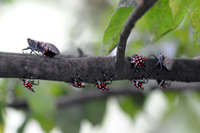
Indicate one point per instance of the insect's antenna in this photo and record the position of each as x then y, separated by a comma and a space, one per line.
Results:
104, 76
147, 80
23, 51
38, 82
79, 77
153, 56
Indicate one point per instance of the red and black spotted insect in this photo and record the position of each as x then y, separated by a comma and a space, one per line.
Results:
78, 83
47, 49
102, 85
163, 83
164, 61
28, 84
138, 62
138, 83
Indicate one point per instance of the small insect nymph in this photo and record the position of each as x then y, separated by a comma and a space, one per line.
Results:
102, 85
138, 83
163, 83
28, 84
78, 83
138, 62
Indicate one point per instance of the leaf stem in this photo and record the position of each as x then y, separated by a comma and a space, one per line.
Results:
140, 9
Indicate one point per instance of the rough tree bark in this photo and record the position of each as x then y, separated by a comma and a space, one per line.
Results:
63, 68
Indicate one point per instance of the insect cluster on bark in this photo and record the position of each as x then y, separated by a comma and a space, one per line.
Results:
137, 62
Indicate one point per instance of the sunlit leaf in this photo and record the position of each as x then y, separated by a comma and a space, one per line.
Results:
179, 9
159, 19
112, 32
194, 12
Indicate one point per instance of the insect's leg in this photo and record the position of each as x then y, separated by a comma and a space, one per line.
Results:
34, 52
25, 49
83, 86
79, 77
37, 83
169, 83
141, 88
155, 65
160, 67
72, 79
104, 76
156, 58
135, 65
96, 81
153, 56
33, 82
44, 57
146, 81
110, 81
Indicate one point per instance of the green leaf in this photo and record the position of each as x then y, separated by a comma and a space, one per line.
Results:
95, 111
178, 9
43, 107
159, 19
4, 86
2, 111
69, 119
194, 12
112, 32
132, 105
171, 97
184, 112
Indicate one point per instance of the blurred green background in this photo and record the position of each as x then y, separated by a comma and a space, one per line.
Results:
57, 107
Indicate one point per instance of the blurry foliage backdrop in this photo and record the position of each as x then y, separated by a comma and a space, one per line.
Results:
181, 112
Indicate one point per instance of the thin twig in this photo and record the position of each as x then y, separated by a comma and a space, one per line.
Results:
140, 9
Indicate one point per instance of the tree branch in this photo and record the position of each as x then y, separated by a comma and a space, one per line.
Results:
140, 9
63, 69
